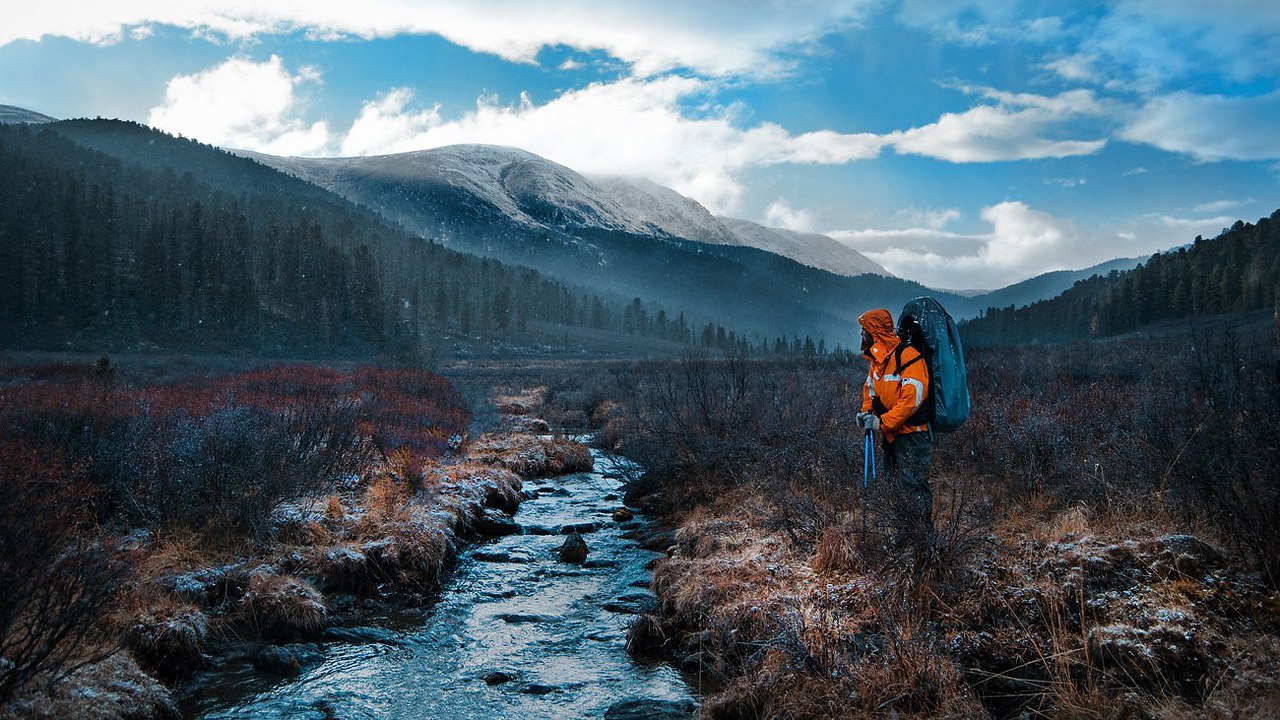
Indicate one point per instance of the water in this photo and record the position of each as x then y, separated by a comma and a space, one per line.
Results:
541, 622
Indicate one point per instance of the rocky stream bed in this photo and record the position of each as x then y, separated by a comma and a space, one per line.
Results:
518, 630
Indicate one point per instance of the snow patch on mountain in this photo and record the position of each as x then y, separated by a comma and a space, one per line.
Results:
10, 115
541, 194
812, 249
667, 210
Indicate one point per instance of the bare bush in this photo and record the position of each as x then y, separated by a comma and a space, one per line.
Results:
57, 577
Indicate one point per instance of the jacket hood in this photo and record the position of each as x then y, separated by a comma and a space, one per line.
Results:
879, 325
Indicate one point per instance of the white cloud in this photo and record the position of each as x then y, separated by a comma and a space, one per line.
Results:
242, 104
1221, 205
1023, 242
1209, 127
780, 214
716, 37
1148, 44
1017, 127
928, 217
384, 126
632, 127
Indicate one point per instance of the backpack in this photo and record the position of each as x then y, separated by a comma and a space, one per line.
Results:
926, 326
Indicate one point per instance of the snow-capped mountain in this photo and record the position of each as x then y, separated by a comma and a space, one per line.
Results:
668, 210
530, 190
812, 249
11, 115
685, 218
537, 194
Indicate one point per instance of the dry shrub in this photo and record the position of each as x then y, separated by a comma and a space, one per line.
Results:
838, 550
384, 499
412, 554
283, 606
343, 567
120, 689
168, 638
530, 455
58, 578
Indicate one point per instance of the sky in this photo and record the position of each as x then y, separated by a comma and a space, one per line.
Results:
965, 144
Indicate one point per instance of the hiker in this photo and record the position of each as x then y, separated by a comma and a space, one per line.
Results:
892, 398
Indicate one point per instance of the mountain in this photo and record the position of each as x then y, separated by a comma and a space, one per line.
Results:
1050, 284
1236, 272
519, 208
812, 249
10, 115
117, 236
668, 211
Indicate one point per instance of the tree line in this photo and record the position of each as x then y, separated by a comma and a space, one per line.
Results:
1238, 271
141, 251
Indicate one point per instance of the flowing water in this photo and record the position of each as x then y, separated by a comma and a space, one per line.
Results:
514, 634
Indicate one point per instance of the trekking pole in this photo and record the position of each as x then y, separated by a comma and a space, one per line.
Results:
866, 458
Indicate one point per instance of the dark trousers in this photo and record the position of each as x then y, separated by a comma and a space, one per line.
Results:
906, 464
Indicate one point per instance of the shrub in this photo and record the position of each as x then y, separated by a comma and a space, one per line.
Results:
57, 576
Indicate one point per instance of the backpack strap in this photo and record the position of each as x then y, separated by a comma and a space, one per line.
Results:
897, 358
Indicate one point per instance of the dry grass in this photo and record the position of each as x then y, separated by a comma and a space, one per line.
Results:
283, 606
531, 455
1066, 612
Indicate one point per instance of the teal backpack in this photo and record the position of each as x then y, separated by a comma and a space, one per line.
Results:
925, 325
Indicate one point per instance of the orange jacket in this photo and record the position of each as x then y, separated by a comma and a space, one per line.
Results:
899, 381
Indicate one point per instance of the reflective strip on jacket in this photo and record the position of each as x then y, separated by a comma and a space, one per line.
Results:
901, 387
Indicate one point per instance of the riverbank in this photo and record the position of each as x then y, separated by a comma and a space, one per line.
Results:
375, 539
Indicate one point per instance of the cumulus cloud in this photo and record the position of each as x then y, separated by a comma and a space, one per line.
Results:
1209, 127
632, 127
780, 214
242, 104
1023, 242
1016, 127
716, 37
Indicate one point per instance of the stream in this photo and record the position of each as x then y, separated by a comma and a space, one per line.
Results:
514, 633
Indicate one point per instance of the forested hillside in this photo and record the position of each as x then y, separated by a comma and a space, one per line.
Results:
190, 247
1237, 271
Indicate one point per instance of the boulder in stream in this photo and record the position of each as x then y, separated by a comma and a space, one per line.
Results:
574, 549
495, 523
288, 660
581, 528
645, 709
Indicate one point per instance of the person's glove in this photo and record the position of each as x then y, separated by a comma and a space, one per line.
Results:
868, 421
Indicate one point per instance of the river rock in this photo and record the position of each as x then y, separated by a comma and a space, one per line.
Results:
498, 677
574, 549
493, 556
538, 530
288, 660
523, 618
646, 709
582, 528
623, 515
495, 523
363, 635
632, 604
538, 689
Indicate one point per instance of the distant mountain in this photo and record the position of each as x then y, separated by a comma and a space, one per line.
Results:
1238, 271
519, 208
1050, 284
10, 115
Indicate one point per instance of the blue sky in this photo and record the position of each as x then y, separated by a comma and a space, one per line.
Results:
962, 143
